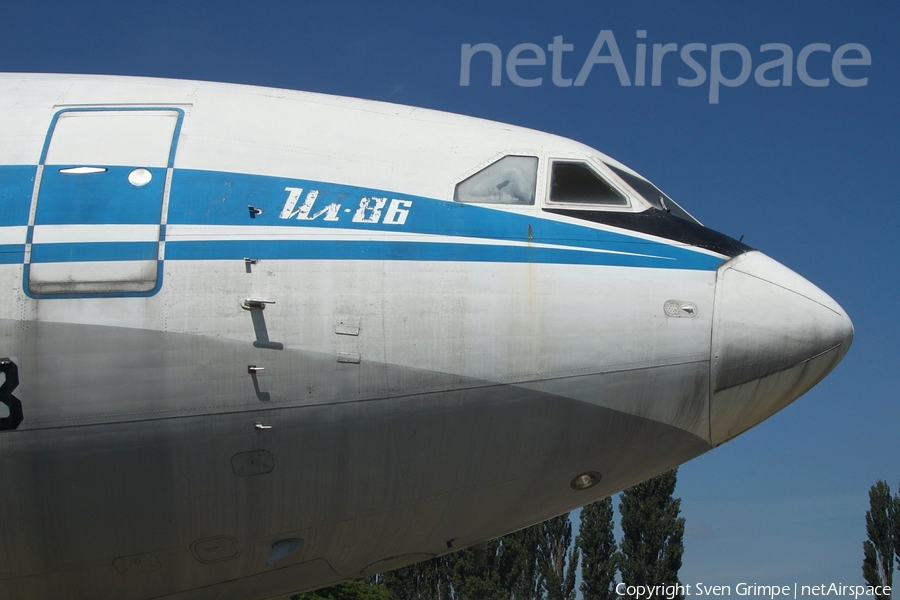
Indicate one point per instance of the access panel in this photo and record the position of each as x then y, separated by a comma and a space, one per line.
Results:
96, 225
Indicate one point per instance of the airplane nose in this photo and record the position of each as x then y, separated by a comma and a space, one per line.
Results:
775, 336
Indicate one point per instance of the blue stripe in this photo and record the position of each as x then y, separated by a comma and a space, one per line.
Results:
94, 251
98, 198
414, 251
214, 198
218, 198
16, 185
11, 254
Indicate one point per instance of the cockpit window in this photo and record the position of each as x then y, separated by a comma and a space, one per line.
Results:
653, 194
510, 180
577, 183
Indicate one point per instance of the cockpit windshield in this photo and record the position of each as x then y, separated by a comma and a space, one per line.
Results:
576, 183
653, 194
510, 180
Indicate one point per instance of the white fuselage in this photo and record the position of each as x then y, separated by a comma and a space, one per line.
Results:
261, 348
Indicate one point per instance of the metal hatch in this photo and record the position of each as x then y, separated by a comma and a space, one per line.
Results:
102, 188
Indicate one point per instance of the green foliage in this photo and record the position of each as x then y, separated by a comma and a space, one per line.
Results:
652, 532
897, 526
515, 562
881, 527
471, 581
599, 554
535, 563
540, 562
428, 580
556, 562
351, 590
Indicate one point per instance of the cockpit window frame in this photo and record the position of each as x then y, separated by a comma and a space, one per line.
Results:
665, 203
601, 171
535, 190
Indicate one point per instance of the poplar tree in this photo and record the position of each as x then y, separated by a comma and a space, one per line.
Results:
536, 563
519, 564
510, 571
427, 580
652, 532
352, 590
881, 527
897, 526
558, 558
516, 563
599, 554
472, 581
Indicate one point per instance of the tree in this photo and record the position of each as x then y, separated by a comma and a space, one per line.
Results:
352, 590
599, 554
473, 581
516, 562
428, 580
897, 526
652, 532
879, 549
557, 561
519, 566
523, 555
510, 571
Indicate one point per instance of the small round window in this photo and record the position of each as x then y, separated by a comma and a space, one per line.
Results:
140, 177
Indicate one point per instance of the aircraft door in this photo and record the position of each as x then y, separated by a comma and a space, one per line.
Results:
98, 220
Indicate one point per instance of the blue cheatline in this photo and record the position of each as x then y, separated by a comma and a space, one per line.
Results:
213, 198
93, 251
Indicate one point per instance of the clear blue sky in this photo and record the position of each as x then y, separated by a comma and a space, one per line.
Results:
807, 174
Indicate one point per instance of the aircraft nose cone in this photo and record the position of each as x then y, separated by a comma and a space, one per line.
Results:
775, 336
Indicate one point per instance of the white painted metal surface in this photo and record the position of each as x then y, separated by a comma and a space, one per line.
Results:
410, 375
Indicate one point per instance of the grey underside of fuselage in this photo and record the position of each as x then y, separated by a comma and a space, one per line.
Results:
138, 445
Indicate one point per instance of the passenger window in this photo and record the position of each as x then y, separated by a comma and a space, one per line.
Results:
576, 183
510, 180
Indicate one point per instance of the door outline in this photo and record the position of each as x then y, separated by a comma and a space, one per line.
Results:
161, 237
